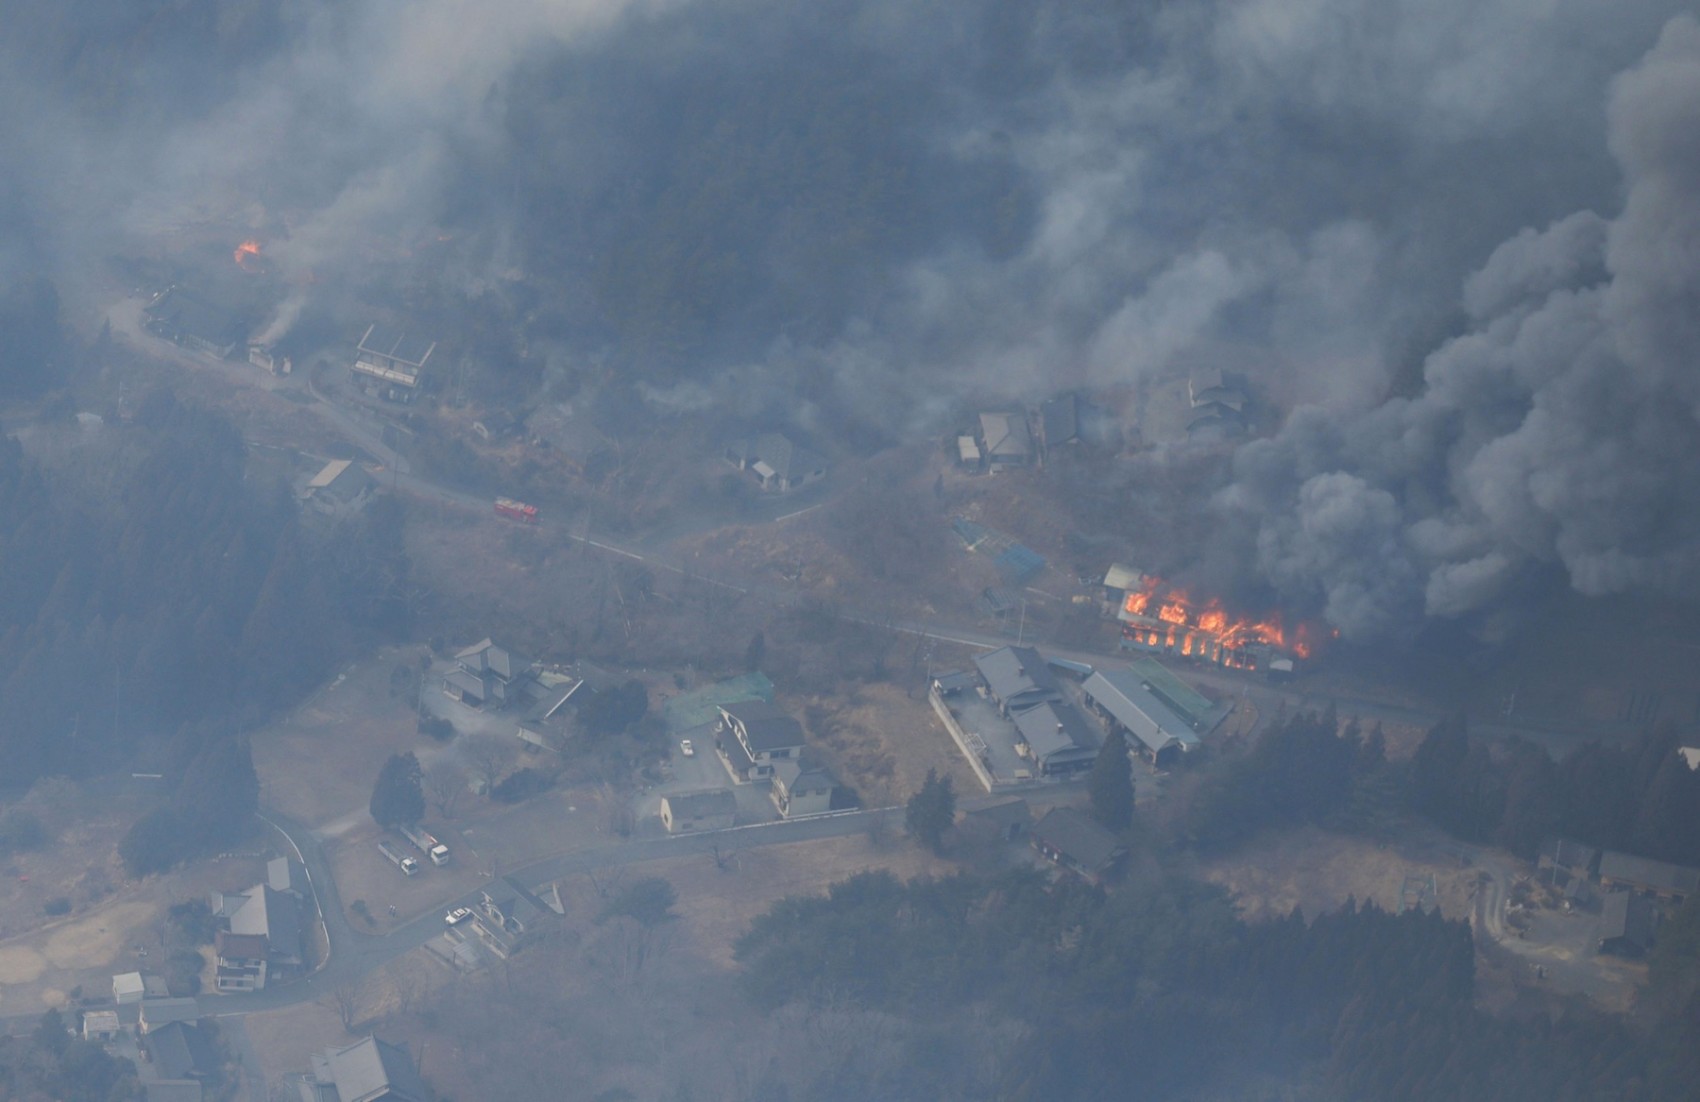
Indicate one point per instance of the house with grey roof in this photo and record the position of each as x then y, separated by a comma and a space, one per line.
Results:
777, 464
488, 674
391, 362
709, 809
801, 787
1643, 874
1017, 678
1070, 839
369, 1070
1005, 440
162, 1012
754, 735
1056, 738
1125, 702
101, 1025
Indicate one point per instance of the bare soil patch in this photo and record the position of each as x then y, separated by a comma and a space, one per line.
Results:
318, 765
879, 739
715, 906
1317, 871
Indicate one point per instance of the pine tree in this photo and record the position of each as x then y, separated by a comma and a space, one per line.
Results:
397, 797
1110, 784
931, 811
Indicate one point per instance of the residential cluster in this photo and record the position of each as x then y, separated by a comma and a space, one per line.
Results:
1629, 894
1017, 722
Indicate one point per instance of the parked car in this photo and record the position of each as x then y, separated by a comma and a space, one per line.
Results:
458, 915
686, 748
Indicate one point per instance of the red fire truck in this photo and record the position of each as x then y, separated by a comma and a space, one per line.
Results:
516, 510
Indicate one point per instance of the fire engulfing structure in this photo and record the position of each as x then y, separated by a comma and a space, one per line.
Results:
1159, 617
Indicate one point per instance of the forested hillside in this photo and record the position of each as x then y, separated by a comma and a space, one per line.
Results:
1158, 991
158, 605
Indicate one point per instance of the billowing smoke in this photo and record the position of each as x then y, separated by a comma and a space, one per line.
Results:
872, 212
1562, 430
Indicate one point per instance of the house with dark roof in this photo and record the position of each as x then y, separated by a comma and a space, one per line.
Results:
192, 322
276, 917
507, 912
1006, 821
753, 736
239, 961
777, 464
1126, 702
180, 1050
710, 809
342, 486
801, 787
1643, 874
488, 674
1056, 738
369, 1070
1628, 922
1208, 385
1059, 420
1017, 678
1070, 839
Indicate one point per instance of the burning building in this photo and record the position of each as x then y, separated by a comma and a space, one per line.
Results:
263, 356
1165, 619
391, 362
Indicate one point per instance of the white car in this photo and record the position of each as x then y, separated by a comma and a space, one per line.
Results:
457, 916
686, 748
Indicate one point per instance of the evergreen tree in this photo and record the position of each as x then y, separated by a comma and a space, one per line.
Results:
931, 811
398, 797
220, 792
1110, 784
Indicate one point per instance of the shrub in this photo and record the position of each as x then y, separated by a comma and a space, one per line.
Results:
436, 727
520, 785
21, 831
60, 905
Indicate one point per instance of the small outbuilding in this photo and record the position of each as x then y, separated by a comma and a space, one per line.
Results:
710, 809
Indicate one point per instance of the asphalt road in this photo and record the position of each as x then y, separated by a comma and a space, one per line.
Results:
355, 953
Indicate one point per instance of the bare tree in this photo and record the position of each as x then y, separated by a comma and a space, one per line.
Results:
605, 884
489, 757
444, 783
344, 998
408, 983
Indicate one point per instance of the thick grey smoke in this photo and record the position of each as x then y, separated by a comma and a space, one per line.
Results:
1562, 430
1310, 189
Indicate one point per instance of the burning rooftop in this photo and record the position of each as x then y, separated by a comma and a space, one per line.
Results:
1160, 617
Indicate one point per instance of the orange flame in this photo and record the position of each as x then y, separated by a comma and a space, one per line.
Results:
248, 255
1208, 632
